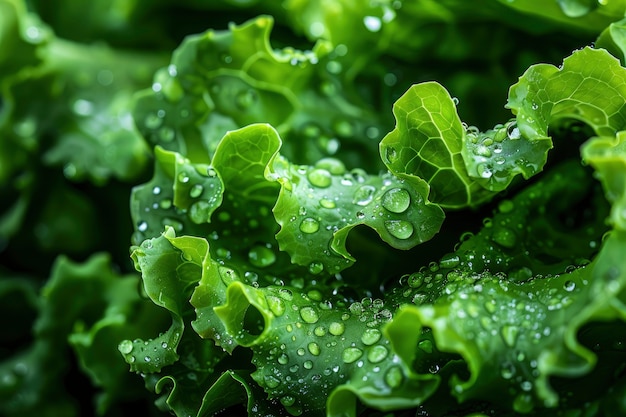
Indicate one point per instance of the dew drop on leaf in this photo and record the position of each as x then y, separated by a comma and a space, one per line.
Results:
276, 305
199, 212
370, 336
320, 178
377, 354
569, 286
283, 359
364, 195
288, 400
510, 334
309, 225
125, 347
316, 267
271, 381
314, 348
507, 371
336, 328
309, 315
394, 377
504, 237
167, 134
372, 23
351, 354
196, 191
261, 256
400, 229
396, 200
142, 226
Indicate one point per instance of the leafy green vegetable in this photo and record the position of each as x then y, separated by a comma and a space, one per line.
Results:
331, 208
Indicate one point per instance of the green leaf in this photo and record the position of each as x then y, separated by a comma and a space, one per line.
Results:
607, 155
579, 15
181, 195
613, 39
319, 205
242, 158
74, 295
220, 81
168, 281
590, 86
427, 142
495, 157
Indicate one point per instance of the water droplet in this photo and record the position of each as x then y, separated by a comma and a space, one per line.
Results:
309, 315
391, 154
370, 336
433, 369
261, 256
183, 177
450, 260
308, 365
167, 134
320, 178
316, 267
196, 191
372, 23
504, 237
396, 200
509, 334
34, 34
288, 400
164, 345
569, 286
271, 381
198, 211
506, 206
343, 128
377, 354
507, 371
317, 29
513, 132
83, 107
165, 203
147, 359
334, 67
309, 225
336, 328
415, 280
484, 171
125, 347
314, 348
526, 385
426, 346
400, 229
320, 331
327, 203
285, 294
276, 305
283, 359
394, 377
351, 354
142, 226
364, 195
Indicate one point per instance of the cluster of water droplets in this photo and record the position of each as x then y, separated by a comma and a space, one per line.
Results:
498, 154
316, 344
150, 355
198, 190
